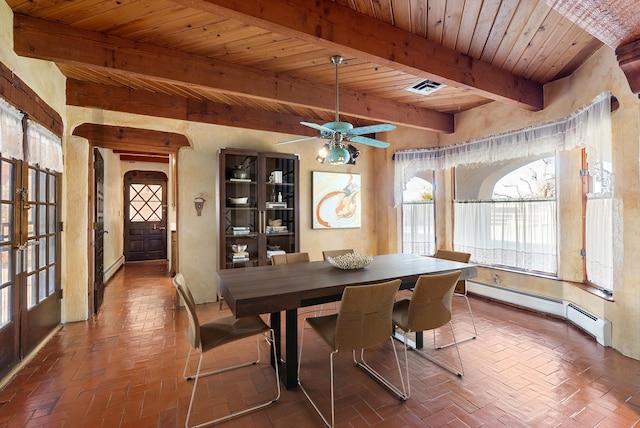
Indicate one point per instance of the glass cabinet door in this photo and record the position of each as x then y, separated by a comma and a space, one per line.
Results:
239, 202
280, 209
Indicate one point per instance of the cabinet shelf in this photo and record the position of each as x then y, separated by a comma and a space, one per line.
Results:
255, 215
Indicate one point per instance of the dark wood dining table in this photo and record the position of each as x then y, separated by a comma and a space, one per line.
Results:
286, 288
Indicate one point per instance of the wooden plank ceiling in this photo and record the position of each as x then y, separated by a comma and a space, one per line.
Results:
265, 64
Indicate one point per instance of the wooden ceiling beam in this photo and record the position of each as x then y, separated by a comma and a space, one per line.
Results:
629, 61
143, 158
106, 97
330, 25
131, 139
59, 43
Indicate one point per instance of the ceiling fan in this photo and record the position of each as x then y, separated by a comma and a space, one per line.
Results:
340, 134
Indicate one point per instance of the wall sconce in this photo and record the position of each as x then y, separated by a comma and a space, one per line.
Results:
199, 203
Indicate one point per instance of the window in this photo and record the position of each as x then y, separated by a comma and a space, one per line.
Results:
599, 225
418, 226
145, 203
505, 214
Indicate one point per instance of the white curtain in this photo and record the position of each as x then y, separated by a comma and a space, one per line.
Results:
10, 131
44, 147
418, 228
519, 234
599, 242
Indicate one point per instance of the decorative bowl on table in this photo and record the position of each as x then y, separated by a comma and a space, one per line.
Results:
350, 261
243, 200
237, 248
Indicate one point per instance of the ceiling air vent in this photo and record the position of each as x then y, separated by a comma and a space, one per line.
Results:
425, 87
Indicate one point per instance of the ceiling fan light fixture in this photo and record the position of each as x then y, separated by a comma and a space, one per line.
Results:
322, 153
337, 155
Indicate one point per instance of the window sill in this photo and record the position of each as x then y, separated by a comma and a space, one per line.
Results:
592, 289
585, 286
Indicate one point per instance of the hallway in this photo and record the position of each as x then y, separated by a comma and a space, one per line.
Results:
124, 369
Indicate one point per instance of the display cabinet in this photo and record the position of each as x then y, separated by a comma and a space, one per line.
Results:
258, 206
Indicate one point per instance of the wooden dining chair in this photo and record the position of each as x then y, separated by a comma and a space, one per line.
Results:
461, 287
428, 309
364, 320
334, 253
213, 334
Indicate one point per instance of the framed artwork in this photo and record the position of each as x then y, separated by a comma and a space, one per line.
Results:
336, 200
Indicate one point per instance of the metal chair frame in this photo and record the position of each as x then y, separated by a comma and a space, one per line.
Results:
428, 309
342, 334
195, 336
460, 291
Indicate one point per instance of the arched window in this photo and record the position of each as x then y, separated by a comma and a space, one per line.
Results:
534, 180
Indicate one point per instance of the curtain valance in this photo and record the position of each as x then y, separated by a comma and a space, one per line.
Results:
10, 131
44, 148
589, 127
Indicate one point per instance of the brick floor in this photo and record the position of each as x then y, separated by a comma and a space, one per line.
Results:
124, 369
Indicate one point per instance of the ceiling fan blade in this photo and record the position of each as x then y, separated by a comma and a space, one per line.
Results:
298, 139
372, 129
368, 141
320, 128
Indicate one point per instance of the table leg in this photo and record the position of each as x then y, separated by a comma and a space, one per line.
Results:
291, 351
418, 344
289, 365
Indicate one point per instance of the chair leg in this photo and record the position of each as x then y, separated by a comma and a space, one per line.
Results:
366, 367
198, 375
226, 369
304, 391
456, 372
406, 363
473, 323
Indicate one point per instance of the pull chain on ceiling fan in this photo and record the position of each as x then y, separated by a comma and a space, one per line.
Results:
341, 133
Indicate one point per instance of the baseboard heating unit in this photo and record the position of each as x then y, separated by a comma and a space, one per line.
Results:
518, 298
598, 327
595, 326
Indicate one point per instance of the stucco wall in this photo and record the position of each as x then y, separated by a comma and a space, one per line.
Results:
112, 208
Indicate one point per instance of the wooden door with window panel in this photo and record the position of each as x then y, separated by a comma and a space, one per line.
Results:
30, 251
145, 211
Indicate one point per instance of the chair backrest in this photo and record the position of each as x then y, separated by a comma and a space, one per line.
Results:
365, 315
455, 256
289, 258
333, 253
190, 305
430, 305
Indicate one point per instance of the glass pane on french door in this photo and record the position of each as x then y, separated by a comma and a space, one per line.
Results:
7, 210
9, 322
41, 247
